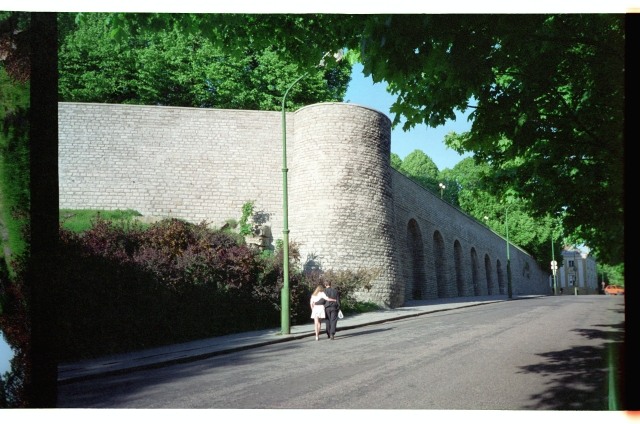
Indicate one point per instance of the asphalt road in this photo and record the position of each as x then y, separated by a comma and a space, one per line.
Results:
544, 353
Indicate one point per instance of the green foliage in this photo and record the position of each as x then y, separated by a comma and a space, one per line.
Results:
279, 244
421, 169
124, 287
14, 161
612, 274
419, 164
359, 308
247, 211
78, 220
347, 282
14, 216
396, 162
169, 67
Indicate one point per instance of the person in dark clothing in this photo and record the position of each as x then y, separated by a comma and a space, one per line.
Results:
331, 310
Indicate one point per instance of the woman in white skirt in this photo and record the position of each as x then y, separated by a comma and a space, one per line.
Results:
317, 309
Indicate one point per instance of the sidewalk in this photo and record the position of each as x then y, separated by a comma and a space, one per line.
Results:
201, 349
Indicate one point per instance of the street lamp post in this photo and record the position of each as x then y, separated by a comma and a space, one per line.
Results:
506, 217
554, 267
442, 187
284, 295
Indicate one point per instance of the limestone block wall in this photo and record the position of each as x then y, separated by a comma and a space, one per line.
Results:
340, 193
188, 163
445, 253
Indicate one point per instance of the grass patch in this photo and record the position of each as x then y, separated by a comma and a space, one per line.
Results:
359, 308
78, 220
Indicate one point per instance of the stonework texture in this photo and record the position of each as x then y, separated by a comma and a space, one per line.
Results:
348, 208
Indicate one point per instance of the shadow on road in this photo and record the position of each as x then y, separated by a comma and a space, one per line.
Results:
581, 373
116, 391
359, 333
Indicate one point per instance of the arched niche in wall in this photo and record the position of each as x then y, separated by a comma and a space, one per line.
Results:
457, 257
440, 264
501, 278
489, 273
475, 278
416, 284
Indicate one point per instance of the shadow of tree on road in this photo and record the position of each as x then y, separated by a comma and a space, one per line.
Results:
581, 374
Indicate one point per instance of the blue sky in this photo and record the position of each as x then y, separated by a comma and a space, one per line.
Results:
363, 91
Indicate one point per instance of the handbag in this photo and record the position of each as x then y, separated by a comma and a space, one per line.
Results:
340, 316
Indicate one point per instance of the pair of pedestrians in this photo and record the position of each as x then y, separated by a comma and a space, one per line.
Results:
325, 304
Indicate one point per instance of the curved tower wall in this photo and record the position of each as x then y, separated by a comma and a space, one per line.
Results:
340, 194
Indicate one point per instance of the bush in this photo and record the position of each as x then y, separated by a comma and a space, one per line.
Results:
124, 287
348, 283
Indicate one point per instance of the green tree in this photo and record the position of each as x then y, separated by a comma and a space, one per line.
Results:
530, 232
419, 164
612, 274
396, 162
170, 67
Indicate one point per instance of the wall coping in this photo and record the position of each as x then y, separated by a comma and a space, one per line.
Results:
342, 104
174, 107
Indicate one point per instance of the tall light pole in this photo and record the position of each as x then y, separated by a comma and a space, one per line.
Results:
554, 267
442, 187
284, 294
506, 221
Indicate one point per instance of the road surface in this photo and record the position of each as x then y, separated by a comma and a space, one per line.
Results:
549, 353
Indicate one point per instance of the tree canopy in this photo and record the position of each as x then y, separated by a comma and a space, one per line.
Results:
546, 92
173, 68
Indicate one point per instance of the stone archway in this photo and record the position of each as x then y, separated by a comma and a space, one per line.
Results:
501, 282
440, 264
457, 257
475, 278
488, 272
415, 287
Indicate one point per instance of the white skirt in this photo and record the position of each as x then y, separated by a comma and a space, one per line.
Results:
318, 312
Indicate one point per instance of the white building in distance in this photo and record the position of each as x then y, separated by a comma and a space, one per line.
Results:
578, 270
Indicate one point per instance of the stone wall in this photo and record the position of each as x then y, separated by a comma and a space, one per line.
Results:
188, 163
461, 257
347, 207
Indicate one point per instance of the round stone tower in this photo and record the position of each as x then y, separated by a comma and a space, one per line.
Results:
340, 197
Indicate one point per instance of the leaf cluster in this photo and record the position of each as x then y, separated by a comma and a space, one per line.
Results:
166, 65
